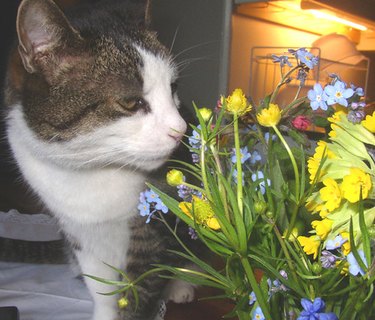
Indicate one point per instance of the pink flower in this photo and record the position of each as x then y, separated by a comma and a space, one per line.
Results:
301, 123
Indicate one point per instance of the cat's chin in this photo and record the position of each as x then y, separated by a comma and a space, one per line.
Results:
151, 165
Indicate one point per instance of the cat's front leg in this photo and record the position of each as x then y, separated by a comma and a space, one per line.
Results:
105, 307
97, 247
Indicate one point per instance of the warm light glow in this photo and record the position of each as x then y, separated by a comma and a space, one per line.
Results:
324, 15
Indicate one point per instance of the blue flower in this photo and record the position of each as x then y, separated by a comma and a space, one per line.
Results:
354, 267
244, 155
160, 206
149, 203
184, 192
306, 57
144, 209
335, 243
195, 157
356, 116
315, 310
328, 259
358, 90
317, 97
267, 137
192, 233
283, 60
357, 105
338, 93
259, 176
195, 139
258, 314
302, 76
252, 298
255, 157
151, 196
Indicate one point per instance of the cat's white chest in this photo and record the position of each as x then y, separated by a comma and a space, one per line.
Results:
87, 195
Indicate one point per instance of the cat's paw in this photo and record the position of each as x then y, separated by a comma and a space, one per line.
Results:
180, 291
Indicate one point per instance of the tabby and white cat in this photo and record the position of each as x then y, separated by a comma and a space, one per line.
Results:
91, 110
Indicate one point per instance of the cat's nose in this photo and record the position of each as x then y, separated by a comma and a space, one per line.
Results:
177, 132
176, 135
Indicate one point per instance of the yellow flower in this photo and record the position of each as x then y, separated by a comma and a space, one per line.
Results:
345, 269
323, 212
237, 103
201, 211
331, 193
337, 115
213, 223
346, 246
322, 228
323, 150
270, 116
175, 178
122, 303
314, 162
353, 183
369, 122
313, 166
205, 113
310, 244
186, 207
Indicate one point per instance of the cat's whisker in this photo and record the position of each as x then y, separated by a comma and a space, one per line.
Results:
174, 38
193, 47
185, 63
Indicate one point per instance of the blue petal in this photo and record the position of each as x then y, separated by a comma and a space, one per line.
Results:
327, 316
318, 305
307, 305
348, 93
330, 90
343, 102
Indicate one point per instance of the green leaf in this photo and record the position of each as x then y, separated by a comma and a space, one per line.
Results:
240, 230
219, 278
354, 248
365, 236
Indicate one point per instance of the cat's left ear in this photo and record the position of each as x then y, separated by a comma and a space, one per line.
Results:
146, 10
44, 34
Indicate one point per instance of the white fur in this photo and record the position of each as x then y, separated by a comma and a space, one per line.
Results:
180, 291
92, 183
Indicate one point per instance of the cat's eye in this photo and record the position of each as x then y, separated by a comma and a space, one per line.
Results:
134, 104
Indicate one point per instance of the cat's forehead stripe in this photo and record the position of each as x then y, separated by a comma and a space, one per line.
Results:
157, 70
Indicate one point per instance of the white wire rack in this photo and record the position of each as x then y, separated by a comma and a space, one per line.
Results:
265, 74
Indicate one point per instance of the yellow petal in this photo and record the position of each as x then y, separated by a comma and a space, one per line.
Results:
213, 223
270, 116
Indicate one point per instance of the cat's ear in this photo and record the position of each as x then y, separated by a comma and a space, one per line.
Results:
148, 12
144, 11
42, 30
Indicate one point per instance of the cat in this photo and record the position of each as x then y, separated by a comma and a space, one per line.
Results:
91, 110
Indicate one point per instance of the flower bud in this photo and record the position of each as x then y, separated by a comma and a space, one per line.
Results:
175, 178
269, 214
205, 113
122, 303
260, 207
316, 268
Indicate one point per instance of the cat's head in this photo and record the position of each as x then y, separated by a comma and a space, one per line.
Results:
98, 90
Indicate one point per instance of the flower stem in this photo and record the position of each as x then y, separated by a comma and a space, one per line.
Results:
203, 171
238, 163
221, 187
282, 82
296, 176
254, 285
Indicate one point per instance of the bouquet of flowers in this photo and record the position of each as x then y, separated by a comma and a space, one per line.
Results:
291, 218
